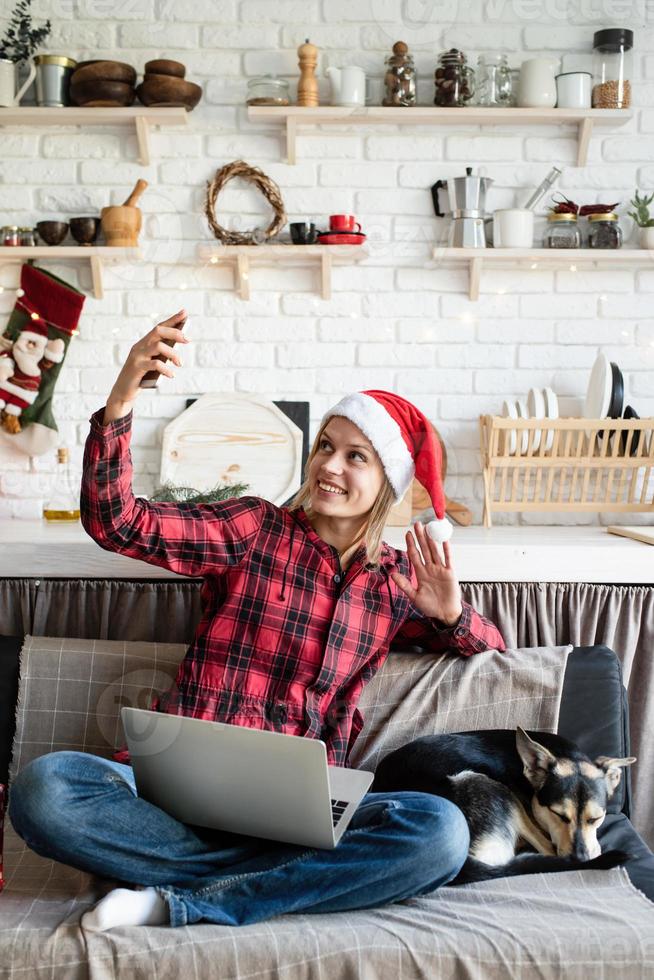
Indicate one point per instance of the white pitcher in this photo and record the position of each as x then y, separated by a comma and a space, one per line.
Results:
9, 80
537, 87
348, 85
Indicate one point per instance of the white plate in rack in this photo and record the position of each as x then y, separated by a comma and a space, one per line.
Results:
523, 413
600, 385
509, 411
536, 409
551, 412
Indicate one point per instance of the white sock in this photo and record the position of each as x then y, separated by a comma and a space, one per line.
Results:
125, 907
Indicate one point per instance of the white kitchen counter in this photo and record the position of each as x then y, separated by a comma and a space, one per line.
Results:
34, 549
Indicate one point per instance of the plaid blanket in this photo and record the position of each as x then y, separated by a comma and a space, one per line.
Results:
69, 698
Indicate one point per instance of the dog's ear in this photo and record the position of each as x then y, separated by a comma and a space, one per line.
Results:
536, 758
612, 769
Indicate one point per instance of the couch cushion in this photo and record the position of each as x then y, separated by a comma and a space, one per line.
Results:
594, 711
617, 831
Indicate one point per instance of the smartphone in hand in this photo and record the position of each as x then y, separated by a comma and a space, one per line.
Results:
151, 378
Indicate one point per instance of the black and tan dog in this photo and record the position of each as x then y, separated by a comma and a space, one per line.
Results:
515, 793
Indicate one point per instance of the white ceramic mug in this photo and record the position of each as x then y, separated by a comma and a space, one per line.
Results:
348, 85
513, 228
573, 90
9, 80
537, 86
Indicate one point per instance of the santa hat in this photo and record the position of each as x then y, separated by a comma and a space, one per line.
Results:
405, 443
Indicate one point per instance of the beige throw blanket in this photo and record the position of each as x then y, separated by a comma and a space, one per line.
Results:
70, 694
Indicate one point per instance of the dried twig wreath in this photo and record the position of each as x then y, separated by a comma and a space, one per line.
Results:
269, 189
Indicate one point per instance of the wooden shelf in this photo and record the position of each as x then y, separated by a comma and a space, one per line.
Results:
478, 259
294, 116
241, 257
95, 255
140, 117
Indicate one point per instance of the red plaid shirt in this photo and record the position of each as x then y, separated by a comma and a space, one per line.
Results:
287, 641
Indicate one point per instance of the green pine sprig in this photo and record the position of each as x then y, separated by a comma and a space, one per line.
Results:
168, 493
22, 39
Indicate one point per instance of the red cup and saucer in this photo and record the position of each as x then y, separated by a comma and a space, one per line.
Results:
344, 229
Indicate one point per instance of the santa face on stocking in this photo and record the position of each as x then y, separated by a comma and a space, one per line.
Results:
23, 363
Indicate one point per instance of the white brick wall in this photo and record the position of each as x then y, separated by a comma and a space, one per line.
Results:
398, 321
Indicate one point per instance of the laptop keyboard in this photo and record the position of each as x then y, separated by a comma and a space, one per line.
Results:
338, 809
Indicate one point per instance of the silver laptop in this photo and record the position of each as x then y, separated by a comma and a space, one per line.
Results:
243, 780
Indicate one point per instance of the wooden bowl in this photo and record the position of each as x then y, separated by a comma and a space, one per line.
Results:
163, 66
52, 232
121, 224
99, 92
165, 90
84, 230
106, 71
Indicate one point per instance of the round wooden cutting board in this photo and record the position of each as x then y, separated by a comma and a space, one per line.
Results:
230, 438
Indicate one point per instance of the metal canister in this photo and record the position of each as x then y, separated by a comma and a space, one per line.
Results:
53, 73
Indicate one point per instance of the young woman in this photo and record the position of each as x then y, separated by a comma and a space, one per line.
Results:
301, 606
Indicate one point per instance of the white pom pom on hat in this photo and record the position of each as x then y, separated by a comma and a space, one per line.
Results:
405, 443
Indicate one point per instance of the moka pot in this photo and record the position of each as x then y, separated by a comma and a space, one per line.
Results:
467, 200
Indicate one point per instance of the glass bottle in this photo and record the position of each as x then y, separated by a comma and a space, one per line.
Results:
454, 79
63, 501
562, 231
612, 68
399, 77
604, 231
493, 80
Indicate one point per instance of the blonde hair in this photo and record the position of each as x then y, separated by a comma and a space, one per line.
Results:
373, 522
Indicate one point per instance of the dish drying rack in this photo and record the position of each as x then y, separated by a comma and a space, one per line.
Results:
567, 464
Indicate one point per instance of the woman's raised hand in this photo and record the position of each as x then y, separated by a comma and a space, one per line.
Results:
142, 358
438, 594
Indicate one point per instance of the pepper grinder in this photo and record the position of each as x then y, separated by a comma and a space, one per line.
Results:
307, 89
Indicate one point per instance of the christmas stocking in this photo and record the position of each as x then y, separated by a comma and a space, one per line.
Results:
32, 350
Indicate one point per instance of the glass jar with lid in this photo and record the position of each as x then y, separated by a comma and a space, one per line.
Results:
10, 235
493, 80
454, 79
400, 81
27, 236
604, 231
612, 68
267, 90
562, 231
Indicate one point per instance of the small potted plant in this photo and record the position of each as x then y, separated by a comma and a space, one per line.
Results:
641, 216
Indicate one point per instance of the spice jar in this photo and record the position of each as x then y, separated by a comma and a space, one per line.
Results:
400, 77
267, 90
604, 231
27, 236
493, 80
454, 79
612, 68
10, 235
562, 231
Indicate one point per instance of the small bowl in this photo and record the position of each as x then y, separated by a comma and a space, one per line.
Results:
84, 230
166, 90
52, 232
164, 66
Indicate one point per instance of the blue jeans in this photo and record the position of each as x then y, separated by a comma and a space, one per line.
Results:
83, 810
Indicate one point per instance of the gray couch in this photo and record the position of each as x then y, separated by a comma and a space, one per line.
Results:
577, 924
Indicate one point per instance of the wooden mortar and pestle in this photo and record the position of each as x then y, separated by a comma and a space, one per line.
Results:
121, 223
